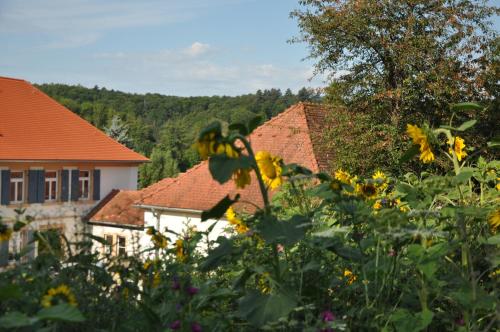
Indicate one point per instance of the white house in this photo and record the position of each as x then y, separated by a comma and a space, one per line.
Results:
176, 203
54, 165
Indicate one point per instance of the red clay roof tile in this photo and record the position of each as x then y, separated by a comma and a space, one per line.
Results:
33, 126
118, 208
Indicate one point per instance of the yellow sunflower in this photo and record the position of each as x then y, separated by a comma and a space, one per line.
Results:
242, 177
5, 232
494, 220
380, 180
419, 138
457, 146
351, 277
343, 176
206, 145
179, 249
159, 240
240, 227
270, 168
58, 295
367, 190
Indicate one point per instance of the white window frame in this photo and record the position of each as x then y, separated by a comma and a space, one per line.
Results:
16, 181
50, 181
81, 185
118, 247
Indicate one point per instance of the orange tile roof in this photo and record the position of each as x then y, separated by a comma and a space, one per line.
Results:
117, 208
292, 135
33, 126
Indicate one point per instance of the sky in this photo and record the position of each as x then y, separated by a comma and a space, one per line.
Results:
172, 47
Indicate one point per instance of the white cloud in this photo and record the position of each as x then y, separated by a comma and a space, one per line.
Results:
197, 49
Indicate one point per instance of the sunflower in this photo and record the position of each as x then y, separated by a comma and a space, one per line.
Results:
270, 168
494, 220
457, 145
351, 277
206, 145
235, 221
380, 180
242, 177
419, 138
343, 176
179, 249
159, 240
367, 190
5, 232
60, 294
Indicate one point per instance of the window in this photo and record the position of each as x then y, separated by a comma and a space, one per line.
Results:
84, 180
50, 185
122, 249
16, 187
108, 247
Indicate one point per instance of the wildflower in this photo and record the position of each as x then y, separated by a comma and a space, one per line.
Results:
367, 190
457, 145
192, 290
270, 168
60, 294
5, 232
377, 205
351, 277
343, 176
327, 316
175, 325
419, 138
494, 220
240, 227
179, 247
195, 327
242, 177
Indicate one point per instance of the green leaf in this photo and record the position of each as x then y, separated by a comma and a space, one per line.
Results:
216, 255
222, 167
466, 125
412, 152
495, 142
63, 312
239, 127
260, 309
494, 239
16, 319
405, 321
219, 209
463, 176
286, 232
466, 107
254, 123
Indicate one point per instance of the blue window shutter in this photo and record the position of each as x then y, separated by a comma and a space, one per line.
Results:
64, 185
30, 244
5, 192
41, 186
97, 185
32, 186
4, 253
75, 185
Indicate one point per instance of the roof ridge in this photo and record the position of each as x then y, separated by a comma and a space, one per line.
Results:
13, 79
276, 117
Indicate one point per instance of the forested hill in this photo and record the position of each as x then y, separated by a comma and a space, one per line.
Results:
164, 127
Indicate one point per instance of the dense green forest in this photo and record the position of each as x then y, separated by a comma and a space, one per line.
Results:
164, 127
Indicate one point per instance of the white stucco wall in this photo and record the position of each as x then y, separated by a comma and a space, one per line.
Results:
117, 178
179, 223
132, 237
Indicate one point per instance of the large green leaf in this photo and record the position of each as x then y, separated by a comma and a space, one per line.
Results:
63, 312
16, 319
409, 154
254, 123
213, 127
219, 209
260, 309
466, 107
286, 232
222, 167
239, 127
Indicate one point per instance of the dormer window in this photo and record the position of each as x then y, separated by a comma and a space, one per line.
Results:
84, 185
16, 187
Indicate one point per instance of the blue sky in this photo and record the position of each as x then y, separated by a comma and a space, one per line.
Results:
174, 47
